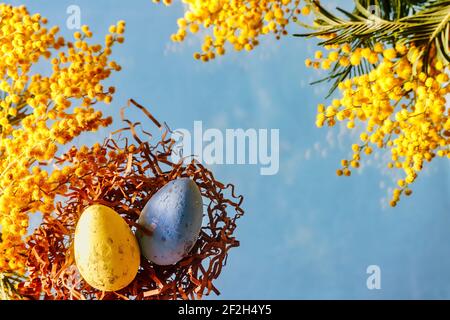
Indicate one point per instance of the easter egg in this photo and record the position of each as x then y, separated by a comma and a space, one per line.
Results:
174, 218
106, 251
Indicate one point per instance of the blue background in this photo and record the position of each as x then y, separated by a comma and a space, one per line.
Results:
307, 234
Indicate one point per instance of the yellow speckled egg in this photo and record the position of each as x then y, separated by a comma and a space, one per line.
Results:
106, 251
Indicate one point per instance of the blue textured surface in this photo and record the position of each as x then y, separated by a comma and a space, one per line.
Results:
306, 234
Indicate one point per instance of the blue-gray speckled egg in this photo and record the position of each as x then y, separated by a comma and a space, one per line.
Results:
175, 215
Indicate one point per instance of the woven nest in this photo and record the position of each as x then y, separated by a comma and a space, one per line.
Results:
126, 183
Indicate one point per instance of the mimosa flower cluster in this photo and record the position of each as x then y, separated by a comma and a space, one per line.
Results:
40, 112
240, 23
402, 105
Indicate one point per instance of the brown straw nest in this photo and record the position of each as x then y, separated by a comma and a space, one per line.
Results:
125, 178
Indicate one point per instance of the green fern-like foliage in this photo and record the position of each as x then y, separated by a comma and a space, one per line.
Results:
8, 286
394, 9
426, 24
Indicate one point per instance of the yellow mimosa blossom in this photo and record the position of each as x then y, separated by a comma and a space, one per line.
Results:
40, 112
404, 110
239, 23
